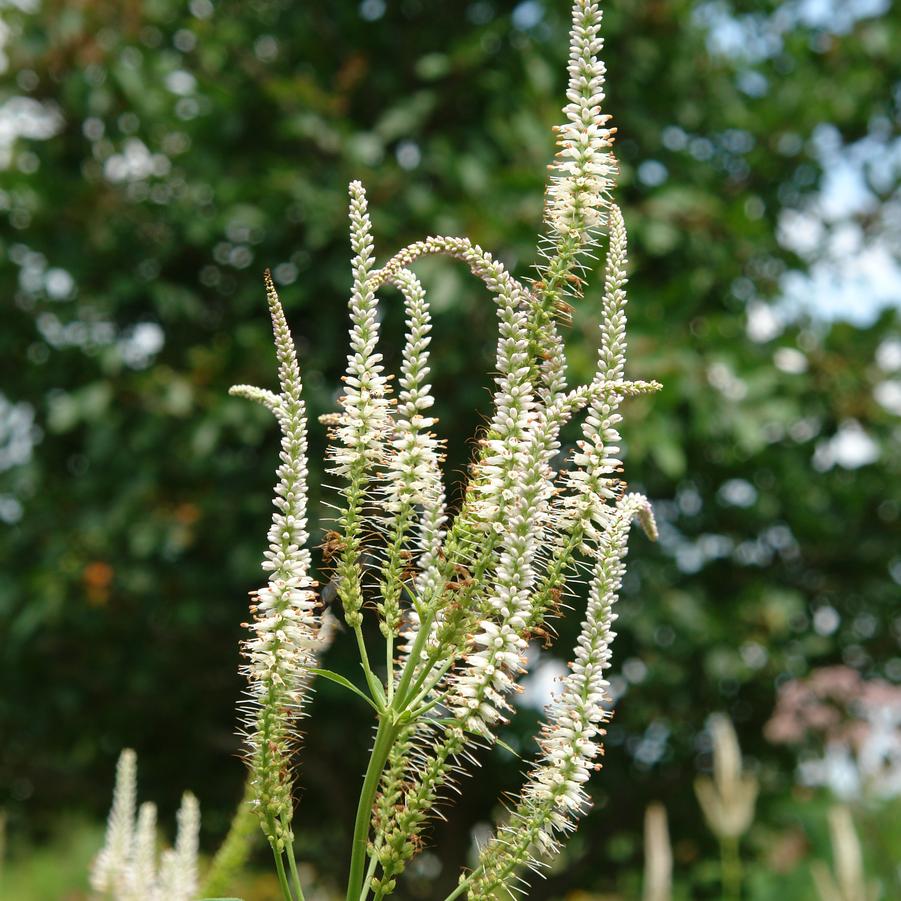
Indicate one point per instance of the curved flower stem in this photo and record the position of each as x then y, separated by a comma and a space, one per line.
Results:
424, 687
417, 692
402, 690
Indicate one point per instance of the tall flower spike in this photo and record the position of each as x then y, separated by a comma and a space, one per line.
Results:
584, 170
279, 652
658, 855
849, 882
126, 868
120, 825
577, 196
612, 353
363, 425
143, 870
592, 483
728, 799
178, 873
413, 472
365, 402
554, 795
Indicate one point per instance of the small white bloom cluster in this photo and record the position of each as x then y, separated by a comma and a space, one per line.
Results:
128, 867
585, 168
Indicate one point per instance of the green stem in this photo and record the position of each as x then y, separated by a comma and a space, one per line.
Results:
424, 687
730, 864
384, 738
460, 888
295, 876
282, 877
389, 663
410, 666
370, 872
416, 689
418, 712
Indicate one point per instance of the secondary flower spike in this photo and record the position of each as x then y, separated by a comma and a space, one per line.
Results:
278, 655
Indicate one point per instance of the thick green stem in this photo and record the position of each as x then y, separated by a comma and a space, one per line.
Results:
384, 738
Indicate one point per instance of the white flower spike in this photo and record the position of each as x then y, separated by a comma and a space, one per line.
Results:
457, 591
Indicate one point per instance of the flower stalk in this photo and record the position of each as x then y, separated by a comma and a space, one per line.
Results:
457, 599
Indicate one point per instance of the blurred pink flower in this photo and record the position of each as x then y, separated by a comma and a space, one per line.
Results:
848, 729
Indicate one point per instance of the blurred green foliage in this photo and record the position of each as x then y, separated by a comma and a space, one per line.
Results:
167, 152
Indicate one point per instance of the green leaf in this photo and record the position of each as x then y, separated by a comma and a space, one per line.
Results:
376, 688
346, 683
501, 743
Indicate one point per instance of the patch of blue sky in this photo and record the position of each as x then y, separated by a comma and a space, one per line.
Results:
851, 275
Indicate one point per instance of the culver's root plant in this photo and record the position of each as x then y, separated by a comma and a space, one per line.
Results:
457, 597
